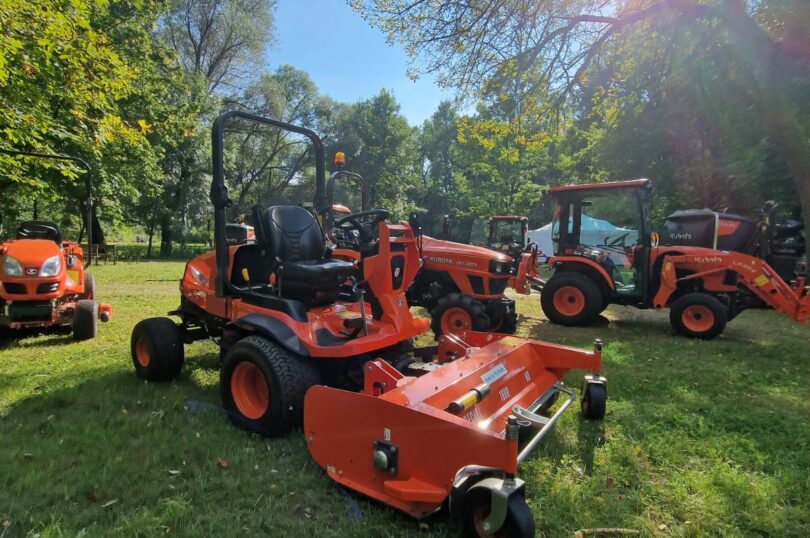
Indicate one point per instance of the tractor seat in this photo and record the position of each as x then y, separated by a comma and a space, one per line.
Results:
40, 229
295, 240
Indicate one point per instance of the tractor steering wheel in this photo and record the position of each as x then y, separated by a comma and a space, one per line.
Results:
364, 222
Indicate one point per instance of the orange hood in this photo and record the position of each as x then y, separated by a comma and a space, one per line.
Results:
32, 253
437, 247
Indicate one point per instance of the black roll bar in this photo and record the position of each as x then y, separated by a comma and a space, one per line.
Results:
219, 191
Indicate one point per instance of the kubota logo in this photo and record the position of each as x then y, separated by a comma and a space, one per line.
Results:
31, 271
681, 235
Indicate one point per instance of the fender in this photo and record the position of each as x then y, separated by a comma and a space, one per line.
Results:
273, 329
579, 259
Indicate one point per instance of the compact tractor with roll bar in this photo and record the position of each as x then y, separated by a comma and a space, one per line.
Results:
703, 287
44, 282
301, 346
461, 286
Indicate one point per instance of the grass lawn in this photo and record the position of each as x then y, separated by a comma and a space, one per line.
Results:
700, 439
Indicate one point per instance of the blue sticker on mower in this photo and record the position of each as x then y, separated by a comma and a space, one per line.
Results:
493, 375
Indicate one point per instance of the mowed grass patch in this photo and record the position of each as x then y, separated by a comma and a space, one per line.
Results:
700, 439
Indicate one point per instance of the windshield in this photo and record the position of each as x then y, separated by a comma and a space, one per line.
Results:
507, 232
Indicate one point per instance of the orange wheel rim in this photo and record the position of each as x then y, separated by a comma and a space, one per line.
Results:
569, 301
142, 353
698, 318
250, 391
456, 320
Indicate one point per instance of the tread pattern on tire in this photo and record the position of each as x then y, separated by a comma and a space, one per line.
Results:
478, 315
89, 286
164, 341
594, 302
85, 320
293, 376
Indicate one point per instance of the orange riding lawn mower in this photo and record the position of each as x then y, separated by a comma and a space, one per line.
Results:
44, 282
462, 287
301, 344
709, 268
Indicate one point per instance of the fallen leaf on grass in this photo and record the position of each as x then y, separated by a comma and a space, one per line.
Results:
6, 524
222, 463
91, 496
27, 456
174, 472
662, 526
609, 482
109, 503
423, 526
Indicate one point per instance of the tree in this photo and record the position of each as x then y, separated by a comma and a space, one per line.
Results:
474, 41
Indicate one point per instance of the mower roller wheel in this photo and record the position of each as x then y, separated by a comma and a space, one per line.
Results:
698, 315
457, 313
85, 320
263, 385
572, 299
594, 401
477, 504
157, 349
89, 286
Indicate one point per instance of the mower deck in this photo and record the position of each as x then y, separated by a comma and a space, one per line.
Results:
459, 411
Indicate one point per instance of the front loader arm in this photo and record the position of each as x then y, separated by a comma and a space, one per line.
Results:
752, 273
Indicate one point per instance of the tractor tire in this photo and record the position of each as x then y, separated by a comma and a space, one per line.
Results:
263, 385
698, 315
506, 324
477, 503
572, 299
457, 313
593, 402
157, 349
89, 287
85, 320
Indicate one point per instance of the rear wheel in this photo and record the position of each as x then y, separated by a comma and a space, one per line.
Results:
504, 323
263, 386
698, 315
89, 286
157, 349
85, 320
477, 505
572, 299
457, 313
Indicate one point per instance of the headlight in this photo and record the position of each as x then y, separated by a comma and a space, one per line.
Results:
51, 266
12, 267
499, 268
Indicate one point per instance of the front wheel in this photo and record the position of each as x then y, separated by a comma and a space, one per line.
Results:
572, 299
477, 505
157, 349
85, 320
263, 385
698, 315
458, 313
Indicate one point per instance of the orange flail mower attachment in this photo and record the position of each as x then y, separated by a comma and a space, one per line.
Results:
406, 439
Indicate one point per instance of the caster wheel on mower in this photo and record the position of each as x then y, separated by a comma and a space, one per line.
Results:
457, 313
263, 385
157, 349
85, 320
571, 299
698, 315
477, 504
593, 402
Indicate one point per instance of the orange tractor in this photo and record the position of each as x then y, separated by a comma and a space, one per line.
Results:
301, 346
44, 280
461, 286
606, 253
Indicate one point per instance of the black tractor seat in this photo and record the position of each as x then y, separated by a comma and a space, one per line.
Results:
293, 241
40, 229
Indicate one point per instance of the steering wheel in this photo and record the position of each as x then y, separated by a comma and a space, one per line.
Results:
364, 222
36, 230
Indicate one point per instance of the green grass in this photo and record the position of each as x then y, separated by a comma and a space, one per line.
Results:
700, 439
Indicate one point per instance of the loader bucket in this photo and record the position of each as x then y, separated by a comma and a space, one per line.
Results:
409, 440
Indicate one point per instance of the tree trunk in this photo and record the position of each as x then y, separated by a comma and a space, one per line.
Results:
98, 232
166, 237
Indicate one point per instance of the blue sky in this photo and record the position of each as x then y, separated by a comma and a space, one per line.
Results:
348, 59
